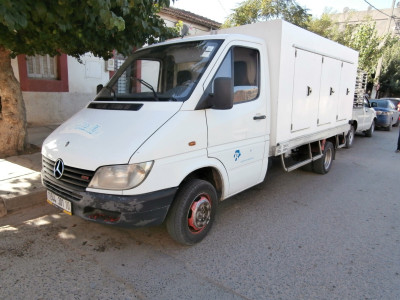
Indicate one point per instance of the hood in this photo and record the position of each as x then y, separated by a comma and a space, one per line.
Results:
105, 135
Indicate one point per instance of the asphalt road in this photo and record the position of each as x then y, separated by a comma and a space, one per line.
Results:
298, 235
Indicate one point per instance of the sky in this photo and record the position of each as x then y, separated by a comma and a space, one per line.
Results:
218, 10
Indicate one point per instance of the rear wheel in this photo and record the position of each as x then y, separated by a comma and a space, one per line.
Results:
193, 211
350, 137
324, 164
371, 130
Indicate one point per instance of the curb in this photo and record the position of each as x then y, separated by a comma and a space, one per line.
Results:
21, 202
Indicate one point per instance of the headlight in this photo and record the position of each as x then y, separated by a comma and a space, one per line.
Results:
120, 177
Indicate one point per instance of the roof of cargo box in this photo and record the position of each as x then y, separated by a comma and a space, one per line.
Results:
279, 33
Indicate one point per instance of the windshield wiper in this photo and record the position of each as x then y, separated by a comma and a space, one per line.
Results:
148, 85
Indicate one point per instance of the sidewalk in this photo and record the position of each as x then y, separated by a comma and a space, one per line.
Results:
20, 182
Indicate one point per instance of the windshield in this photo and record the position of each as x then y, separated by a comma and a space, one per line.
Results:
163, 73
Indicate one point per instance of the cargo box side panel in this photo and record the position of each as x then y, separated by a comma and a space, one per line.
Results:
291, 123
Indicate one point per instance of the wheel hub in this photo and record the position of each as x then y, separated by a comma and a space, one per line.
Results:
199, 214
328, 158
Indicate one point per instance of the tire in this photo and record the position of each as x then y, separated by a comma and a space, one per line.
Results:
397, 123
389, 128
324, 164
371, 130
350, 137
193, 211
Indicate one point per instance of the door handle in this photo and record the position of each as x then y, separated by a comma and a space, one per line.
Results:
309, 90
259, 117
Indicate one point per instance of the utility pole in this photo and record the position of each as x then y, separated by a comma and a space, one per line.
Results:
379, 66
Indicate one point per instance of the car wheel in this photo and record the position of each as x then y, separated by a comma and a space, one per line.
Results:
193, 211
371, 130
324, 164
350, 137
397, 123
389, 128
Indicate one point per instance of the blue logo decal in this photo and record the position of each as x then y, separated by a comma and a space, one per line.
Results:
236, 155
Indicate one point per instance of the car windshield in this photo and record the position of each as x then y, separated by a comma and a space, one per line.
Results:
163, 73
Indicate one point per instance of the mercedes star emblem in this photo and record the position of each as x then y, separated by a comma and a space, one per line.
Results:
58, 168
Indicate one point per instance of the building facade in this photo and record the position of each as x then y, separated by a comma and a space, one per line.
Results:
384, 22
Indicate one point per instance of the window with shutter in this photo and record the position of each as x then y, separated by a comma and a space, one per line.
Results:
41, 66
43, 73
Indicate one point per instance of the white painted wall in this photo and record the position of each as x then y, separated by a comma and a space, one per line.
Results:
84, 77
53, 108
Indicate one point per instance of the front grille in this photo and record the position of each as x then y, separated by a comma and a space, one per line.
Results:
60, 191
73, 179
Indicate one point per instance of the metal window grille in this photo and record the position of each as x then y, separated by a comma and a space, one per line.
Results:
397, 28
42, 66
122, 80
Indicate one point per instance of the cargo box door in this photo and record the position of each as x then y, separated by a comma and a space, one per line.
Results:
329, 93
306, 83
346, 93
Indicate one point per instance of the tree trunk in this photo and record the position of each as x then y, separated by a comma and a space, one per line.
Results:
12, 109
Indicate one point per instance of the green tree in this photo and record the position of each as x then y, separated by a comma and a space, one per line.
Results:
72, 27
251, 11
323, 26
390, 74
362, 37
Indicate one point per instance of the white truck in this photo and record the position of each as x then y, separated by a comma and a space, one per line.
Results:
187, 123
364, 116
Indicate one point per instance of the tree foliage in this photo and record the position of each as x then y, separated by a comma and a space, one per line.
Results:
362, 37
390, 75
251, 11
75, 27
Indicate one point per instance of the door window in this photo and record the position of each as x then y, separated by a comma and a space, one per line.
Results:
241, 64
245, 74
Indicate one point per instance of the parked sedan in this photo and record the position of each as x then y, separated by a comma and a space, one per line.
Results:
396, 102
387, 114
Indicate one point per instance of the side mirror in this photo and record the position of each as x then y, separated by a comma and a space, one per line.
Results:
221, 99
99, 88
223, 93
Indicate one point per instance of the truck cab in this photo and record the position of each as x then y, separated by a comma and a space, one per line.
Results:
363, 120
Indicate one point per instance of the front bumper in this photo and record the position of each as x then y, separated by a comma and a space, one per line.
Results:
128, 211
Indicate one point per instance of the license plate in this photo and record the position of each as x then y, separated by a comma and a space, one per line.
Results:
56, 200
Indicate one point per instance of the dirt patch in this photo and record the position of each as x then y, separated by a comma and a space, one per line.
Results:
29, 149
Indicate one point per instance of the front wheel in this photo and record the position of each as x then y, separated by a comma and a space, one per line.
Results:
371, 130
193, 211
389, 128
324, 164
